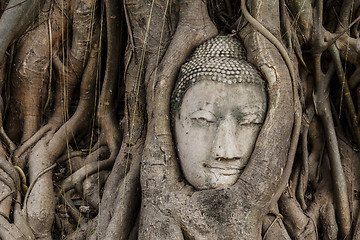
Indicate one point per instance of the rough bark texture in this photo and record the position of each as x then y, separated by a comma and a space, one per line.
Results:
87, 150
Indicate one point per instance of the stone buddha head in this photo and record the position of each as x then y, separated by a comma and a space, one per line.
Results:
218, 107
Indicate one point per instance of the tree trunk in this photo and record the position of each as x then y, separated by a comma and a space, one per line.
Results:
89, 147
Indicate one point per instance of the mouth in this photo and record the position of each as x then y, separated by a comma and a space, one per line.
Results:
224, 168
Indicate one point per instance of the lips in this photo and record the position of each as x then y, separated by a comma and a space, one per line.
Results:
224, 168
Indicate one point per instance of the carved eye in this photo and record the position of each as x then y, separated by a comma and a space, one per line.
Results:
251, 119
203, 117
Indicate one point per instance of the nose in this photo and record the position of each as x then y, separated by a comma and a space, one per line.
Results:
227, 140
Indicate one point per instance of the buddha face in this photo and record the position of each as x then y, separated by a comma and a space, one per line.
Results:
216, 129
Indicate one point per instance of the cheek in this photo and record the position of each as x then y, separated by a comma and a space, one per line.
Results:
194, 142
247, 136
201, 139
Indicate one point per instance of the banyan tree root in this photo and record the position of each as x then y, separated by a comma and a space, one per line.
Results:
320, 213
30, 77
107, 105
38, 213
308, 208
67, 72
8, 188
176, 204
37, 67
16, 17
126, 170
56, 143
6, 194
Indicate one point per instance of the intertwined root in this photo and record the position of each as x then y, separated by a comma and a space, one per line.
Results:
64, 160
48, 67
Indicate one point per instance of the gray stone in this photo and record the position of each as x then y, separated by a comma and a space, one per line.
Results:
219, 105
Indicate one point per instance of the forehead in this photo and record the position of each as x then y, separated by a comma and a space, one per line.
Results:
216, 96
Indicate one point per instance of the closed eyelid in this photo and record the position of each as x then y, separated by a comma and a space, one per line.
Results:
251, 119
203, 114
